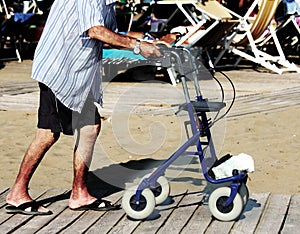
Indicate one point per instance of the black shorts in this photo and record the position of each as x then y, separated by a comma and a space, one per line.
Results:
54, 115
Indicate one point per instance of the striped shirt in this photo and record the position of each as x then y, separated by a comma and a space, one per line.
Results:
66, 59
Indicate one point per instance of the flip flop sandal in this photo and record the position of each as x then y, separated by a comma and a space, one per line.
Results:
98, 206
23, 209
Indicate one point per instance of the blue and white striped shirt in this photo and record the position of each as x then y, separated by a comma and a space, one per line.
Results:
66, 59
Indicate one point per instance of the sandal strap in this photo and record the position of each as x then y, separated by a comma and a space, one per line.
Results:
32, 204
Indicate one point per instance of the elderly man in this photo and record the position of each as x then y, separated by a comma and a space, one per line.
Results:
67, 65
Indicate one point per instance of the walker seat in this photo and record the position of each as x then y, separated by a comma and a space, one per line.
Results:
205, 106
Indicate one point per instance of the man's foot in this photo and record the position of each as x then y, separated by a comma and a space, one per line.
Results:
28, 208
98, 205
22, 203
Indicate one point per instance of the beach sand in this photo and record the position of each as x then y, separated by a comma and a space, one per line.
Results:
270, 136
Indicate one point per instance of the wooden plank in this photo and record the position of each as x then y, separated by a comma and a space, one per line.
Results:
199, 221
62, 220
161, 213
219, 227
3, 194
106, 222
292, 222
3, 215
86, 220
251, 214
125, 225
181, 214
274, 214
13, 222
2, 190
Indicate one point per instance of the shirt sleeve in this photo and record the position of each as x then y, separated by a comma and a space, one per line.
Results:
90, 14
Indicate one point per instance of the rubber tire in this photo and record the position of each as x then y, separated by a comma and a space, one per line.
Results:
244, 192
235, 208
148, 199
165, 190
164, 184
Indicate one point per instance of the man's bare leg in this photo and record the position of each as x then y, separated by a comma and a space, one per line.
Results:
41, 143
86, 138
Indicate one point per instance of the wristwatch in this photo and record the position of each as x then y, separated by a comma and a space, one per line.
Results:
137, 48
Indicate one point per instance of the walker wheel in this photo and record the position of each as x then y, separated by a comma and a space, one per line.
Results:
162, 189
244, 192
218, 209
143, 209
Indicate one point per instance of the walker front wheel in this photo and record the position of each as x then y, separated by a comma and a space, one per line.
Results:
218, 208
139, 210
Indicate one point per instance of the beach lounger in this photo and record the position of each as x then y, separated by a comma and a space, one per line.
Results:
216, 23
288, 34
116, 61
209, 36
247, 46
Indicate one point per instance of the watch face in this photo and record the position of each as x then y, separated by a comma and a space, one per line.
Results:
136, 50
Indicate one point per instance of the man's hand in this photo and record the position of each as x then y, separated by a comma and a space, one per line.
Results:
152, 49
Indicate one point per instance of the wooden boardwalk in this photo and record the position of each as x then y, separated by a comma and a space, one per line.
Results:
185, 213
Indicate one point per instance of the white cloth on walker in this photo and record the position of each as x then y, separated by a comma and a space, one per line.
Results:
240, 162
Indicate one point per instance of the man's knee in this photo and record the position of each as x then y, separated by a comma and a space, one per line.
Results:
87, 133
46, 138
91, 131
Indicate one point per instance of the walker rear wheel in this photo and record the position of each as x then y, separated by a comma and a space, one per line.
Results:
244, 192
162, 189
217, 206
139, 210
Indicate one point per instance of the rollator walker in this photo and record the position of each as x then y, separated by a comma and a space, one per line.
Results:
227, 202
